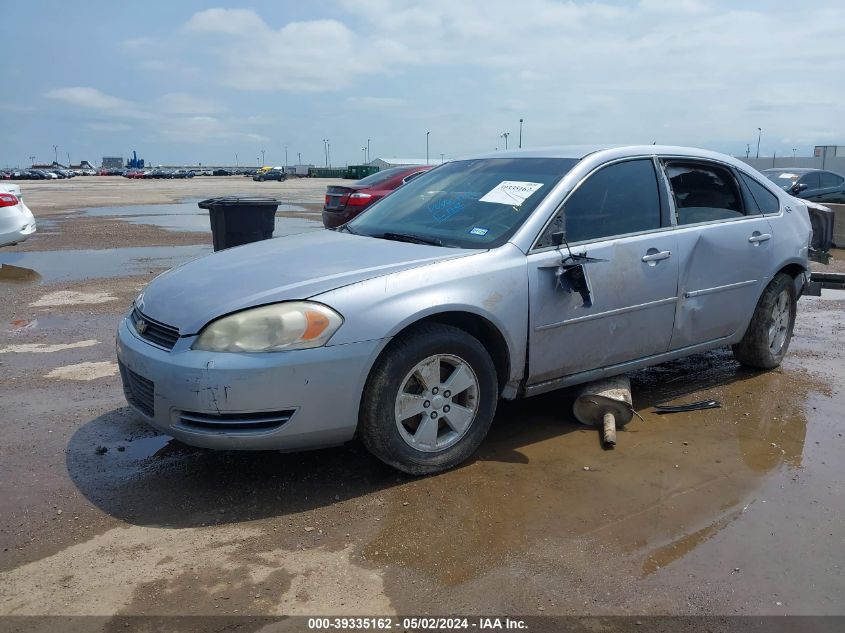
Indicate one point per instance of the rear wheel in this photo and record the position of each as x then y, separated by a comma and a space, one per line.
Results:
767, 338
429, 401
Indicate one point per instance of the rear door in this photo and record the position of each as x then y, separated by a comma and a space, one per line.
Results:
832, 187
724, 247
615, 215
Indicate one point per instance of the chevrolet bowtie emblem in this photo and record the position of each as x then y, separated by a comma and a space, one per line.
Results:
140, 326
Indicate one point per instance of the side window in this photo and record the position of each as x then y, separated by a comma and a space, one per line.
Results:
703, 192
764, 200
830, 179
812, 180
618, 199
412, 176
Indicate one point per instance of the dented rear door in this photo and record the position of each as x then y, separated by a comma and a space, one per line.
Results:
725, 253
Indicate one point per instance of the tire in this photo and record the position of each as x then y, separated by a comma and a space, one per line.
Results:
416, 425
768, 335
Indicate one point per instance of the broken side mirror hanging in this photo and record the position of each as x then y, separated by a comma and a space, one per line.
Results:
570, 273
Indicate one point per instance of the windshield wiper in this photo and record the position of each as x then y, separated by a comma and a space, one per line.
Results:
347, 228
413, 239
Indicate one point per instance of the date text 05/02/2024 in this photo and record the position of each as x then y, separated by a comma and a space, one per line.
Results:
417, 623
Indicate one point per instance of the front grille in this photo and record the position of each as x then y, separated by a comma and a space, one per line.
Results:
234, 422
139, 391
153, 331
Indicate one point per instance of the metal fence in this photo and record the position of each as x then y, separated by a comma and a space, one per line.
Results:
831, 163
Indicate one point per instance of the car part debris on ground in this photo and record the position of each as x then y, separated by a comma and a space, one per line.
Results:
690, 406
606, 402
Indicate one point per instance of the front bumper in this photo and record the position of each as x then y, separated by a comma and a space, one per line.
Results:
315, 393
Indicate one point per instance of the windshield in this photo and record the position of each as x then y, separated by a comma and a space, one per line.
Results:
465, 204
783, 179
381, 176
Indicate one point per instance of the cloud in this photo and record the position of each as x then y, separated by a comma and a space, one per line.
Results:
85, 97
305, 56
93, 99
241, 22
202, 129
375, 102
674, 6
184, 103
99, 126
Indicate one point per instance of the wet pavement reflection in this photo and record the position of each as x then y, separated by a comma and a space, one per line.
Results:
187, 216
672, 483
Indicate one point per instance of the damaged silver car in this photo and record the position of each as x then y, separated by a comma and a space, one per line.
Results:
501, 276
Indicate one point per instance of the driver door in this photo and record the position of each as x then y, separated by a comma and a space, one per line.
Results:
616, 216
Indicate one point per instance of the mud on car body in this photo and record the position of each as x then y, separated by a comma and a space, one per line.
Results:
500, 276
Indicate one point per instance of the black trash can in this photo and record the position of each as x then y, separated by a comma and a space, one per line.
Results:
239, 220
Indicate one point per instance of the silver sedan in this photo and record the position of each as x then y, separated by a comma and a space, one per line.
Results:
500, 276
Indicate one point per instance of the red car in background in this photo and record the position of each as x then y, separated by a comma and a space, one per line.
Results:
344, 203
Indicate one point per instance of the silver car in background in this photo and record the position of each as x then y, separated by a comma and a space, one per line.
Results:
500, 276
17, 223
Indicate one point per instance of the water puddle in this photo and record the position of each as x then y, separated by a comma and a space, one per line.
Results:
157, 446
187, 216
47, 267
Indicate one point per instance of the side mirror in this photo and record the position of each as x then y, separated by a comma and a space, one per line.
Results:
799, 187
557, 238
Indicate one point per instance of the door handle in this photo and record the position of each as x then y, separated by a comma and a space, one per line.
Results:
759, 237
655, 257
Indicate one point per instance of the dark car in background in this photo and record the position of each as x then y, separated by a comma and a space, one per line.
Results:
817, 185
270, 174
345, 202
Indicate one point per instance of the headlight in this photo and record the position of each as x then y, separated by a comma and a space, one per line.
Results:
275, 328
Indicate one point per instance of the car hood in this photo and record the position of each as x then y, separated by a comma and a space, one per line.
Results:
282, 269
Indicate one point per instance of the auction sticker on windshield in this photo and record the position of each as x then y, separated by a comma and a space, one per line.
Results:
513, 192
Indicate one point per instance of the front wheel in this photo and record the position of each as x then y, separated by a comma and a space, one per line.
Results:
768, 335
429, 401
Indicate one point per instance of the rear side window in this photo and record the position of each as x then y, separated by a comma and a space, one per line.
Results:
703, 192
831, 180
381, 176
812, 180
764, 200
618, 199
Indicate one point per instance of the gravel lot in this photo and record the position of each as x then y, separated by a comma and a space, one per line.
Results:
737, 510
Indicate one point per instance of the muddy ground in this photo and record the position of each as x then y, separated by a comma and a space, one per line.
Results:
737, 510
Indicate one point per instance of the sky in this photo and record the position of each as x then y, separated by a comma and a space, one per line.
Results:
193, 82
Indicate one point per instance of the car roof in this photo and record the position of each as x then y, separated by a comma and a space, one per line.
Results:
612, 151
787, 170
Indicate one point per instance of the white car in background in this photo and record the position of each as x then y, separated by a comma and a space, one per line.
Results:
16, 220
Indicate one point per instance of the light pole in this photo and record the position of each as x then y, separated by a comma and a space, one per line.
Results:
368, 150
68, 159
520, 133
747, 150
237, 164
286, 157
56, 150
262, 157
505, 136
364, 152
793, 152
426, 147
759, 134
326, 150
329, 153
32, 160
258, 161
299, 158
